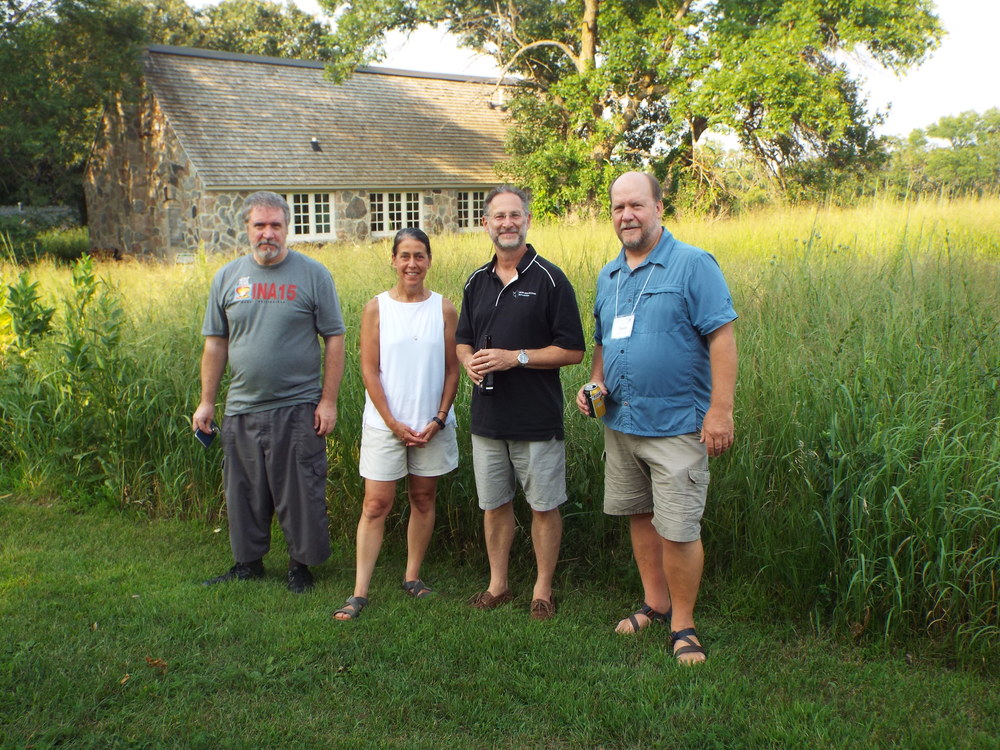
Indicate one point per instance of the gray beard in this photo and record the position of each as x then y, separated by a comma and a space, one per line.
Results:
266, 252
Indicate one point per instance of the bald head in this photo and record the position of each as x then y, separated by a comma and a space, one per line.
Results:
636, 210
654, 184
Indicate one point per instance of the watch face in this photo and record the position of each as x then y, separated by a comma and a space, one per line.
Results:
523, 357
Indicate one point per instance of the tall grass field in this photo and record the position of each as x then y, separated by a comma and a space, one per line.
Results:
862, 489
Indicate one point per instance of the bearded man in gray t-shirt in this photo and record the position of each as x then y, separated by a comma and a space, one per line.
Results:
265, 314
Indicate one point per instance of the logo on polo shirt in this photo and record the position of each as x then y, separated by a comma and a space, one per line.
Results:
522, 293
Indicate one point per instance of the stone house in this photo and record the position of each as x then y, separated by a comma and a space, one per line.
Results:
358, 160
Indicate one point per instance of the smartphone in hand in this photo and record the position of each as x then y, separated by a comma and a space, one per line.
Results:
206, 438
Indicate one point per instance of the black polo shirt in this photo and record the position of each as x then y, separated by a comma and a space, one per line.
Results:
537, 309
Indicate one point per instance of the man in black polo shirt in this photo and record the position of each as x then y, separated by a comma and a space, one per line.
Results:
519, 324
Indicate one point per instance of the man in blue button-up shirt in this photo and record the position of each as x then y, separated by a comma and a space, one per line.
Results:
665, 360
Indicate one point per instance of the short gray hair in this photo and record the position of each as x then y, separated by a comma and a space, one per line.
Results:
500, 189
265, 199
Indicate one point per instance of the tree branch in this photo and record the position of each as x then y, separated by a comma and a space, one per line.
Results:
577, 63
588, 34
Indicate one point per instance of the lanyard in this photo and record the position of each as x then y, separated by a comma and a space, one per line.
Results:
618, 280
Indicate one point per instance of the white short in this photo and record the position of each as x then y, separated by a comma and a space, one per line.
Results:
384, 458
539, 465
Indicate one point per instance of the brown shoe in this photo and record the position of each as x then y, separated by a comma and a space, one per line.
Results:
543, 610
486, 600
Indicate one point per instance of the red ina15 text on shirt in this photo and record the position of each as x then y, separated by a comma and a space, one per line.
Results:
274, 291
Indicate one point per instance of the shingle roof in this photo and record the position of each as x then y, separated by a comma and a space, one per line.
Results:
247, 121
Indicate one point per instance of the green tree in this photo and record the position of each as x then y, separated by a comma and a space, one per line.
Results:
957, 154
173, 22
264, 28
612, 83
970, 162
63, 61
247, 26
60, 62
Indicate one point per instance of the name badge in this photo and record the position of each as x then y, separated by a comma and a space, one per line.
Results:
622, 327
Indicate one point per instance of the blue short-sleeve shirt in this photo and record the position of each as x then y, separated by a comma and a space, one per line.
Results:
658, 377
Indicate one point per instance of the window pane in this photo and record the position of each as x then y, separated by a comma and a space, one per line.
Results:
321, 213
476, 208
412, 209
470, 208
300, 213
394, 211
376, 210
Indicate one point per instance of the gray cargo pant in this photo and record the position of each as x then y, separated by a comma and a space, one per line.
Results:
275, 462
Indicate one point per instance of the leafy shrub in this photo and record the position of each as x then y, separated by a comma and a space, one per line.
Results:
25, 238
63, 244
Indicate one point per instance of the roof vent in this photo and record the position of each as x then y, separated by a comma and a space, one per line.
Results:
315, 144
498, 101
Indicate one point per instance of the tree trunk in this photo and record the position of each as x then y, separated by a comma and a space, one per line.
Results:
588, 34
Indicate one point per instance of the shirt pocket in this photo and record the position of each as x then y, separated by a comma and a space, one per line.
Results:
661, 309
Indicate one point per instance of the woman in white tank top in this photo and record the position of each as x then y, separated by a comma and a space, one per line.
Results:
411, 372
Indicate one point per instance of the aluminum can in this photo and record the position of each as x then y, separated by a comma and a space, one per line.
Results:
595, 399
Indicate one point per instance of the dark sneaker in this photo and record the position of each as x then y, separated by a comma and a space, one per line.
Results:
239, 572
300, 580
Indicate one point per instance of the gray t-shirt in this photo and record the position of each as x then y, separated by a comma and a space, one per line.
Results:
272, 316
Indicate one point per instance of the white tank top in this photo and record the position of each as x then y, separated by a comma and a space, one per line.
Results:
411, 361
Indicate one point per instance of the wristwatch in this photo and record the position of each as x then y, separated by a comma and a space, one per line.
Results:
522, 358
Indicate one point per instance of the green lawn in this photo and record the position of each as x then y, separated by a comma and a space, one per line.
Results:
87, 600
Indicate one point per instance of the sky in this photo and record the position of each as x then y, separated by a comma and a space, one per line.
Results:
958, 76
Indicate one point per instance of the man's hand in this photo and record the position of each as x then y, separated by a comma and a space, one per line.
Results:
203, 417
581, 399
325, 417
474, 376
717, 427
492, 360
717, 431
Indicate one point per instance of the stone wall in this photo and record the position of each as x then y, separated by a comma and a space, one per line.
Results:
219, 228
439, 211
350, 212
141, 191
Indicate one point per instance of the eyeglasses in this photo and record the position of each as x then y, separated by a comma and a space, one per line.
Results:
514, 216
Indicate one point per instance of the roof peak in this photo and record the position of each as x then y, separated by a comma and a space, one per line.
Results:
209, 54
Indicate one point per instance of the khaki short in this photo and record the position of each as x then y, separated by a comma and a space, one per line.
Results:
665, 476
539, 465
384, 458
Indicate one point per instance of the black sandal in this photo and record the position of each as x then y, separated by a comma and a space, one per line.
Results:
352, 608
418, 589
690, 648
661, 617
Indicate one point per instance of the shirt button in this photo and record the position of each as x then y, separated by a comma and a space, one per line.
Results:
621, 351
625, 403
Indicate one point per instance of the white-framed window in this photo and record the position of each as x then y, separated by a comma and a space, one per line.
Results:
470, 208
390, 212
312, 216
